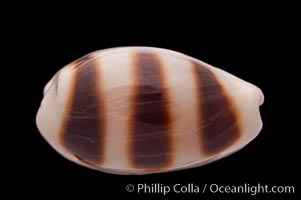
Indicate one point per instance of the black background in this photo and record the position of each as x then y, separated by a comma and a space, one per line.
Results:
254, 49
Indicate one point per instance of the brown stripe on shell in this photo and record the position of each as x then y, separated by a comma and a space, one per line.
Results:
83, 128
79, 62
150, 121
218, 120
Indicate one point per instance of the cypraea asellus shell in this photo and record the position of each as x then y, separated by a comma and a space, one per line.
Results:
139, 110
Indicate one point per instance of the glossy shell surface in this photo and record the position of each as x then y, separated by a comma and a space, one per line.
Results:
140, 110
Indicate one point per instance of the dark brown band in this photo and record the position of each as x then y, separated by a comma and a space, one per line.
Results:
218, 120
151, 145
83, 131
